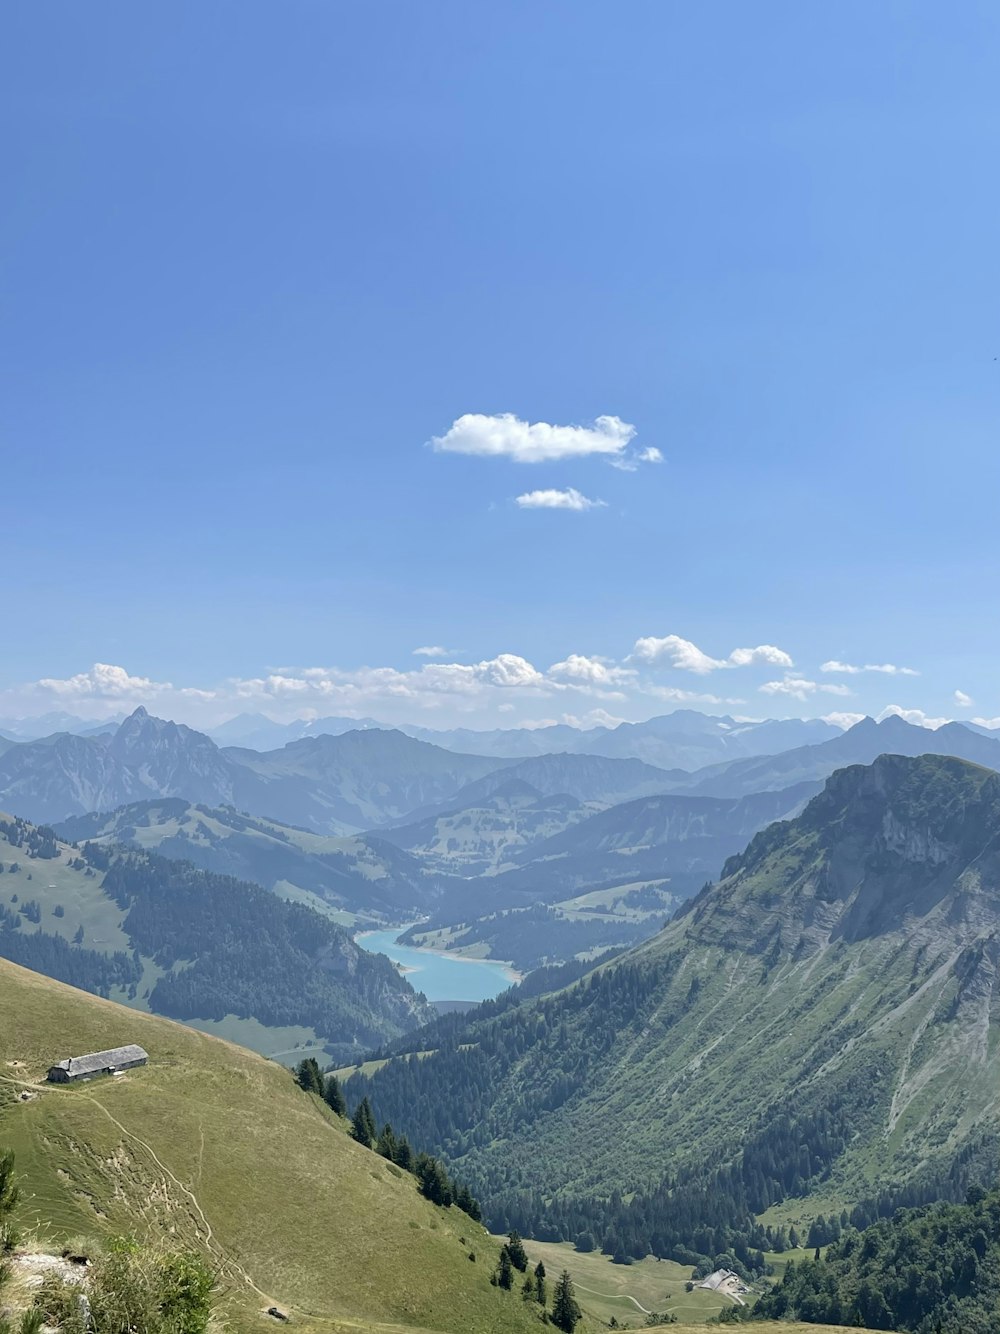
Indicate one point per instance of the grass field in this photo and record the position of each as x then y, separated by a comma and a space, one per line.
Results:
626, 1292
215, 1148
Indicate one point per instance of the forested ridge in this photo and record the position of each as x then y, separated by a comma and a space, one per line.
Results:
934, 1270
248, 952
221, 946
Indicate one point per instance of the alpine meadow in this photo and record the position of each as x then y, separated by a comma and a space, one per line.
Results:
499, 725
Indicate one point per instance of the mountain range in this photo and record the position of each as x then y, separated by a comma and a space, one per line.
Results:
822, 1023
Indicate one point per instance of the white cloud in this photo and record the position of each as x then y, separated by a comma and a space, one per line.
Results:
570, 499
797, 687
963, 700
844, 720
915, 716
503, 435
590, 671
593, 718
104, 681
676, 696
687, 657
848, 669
631, 462
991, 723
431, 651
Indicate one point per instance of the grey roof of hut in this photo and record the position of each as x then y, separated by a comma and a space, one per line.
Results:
112, 1059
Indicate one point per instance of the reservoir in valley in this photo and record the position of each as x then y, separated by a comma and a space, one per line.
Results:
439, 975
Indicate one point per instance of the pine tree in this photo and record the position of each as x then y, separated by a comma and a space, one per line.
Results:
540, 1283
363, 1124
565, 1311
518, 1255
333, 1096
505, 1271
528, 1288
387, 1143
404, 1154
308, 1075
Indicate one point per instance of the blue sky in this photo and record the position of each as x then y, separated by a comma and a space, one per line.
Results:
256, 258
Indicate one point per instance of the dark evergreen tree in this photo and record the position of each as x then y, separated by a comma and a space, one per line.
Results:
505, 1270
540, 1283
387, 1143
333, 1096
363, 1126
308, 1075
518, 1255
565, 1311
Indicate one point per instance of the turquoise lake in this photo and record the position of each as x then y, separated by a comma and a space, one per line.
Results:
440, 977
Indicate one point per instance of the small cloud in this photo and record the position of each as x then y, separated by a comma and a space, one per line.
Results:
797, 687
915, 716
631, 462
432, 651
844, 720
688, 657
963, 700
578, 668
593, 718
570, 499
503, 435
992, 724
849, 669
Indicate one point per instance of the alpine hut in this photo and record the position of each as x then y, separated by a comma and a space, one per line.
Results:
97, 1063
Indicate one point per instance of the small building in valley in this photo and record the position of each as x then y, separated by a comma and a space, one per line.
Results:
97, 1063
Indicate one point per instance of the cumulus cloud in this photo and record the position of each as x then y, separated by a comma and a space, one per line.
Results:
590, 671
849, 669
687, 657
992, 724
431, 651
915, 716
797, 687
104, 681
570, 499
503, 435
844, 720
963, 700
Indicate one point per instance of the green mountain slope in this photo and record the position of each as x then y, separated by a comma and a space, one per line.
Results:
365, 878
479, 837
214, 1148
823, 1023
197, 946
930, 1271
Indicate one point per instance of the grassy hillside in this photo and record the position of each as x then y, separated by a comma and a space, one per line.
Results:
216, 1148
627, 1292
823, 1023
208, 949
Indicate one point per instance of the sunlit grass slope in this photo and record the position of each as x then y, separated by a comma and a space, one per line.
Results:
215, 1147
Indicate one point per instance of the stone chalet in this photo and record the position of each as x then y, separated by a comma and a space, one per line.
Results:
97, 1063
